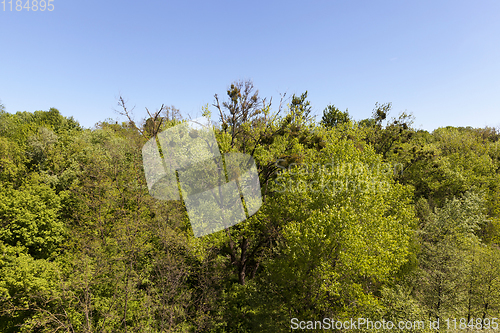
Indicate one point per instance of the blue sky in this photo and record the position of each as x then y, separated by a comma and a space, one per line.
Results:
439, 60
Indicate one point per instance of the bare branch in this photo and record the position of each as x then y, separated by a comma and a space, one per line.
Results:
222, 118
127, 113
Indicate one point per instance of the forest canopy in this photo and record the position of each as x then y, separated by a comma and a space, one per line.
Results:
368, 218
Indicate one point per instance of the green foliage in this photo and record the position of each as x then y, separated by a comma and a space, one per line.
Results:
332, 116
348, 232
370, 219
300, 107
28, 287
449, 163
12, 162
449, 243
21, 126
401, 306
30, 218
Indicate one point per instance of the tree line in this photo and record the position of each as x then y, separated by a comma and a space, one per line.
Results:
85, 248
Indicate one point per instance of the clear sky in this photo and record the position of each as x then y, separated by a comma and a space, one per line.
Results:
439, 60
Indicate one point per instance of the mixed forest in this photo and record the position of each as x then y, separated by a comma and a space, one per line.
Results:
367, 218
